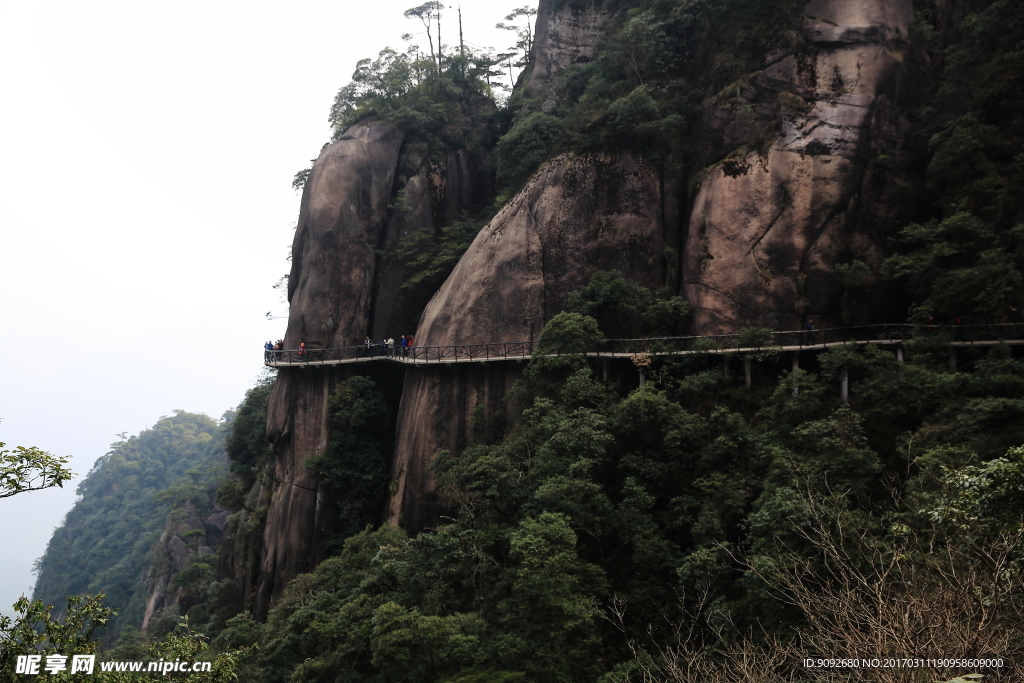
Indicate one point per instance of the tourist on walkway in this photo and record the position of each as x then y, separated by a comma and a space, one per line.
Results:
302, 351
391, 346
405, 345
809, 332
408, 345
367, 346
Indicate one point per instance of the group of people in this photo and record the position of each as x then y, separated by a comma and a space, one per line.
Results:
274, 349
387, 347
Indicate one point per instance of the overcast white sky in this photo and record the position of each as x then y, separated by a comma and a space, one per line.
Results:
146, 210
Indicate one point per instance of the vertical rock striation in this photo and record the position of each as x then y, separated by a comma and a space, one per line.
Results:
565, 36
342, 219
367, 190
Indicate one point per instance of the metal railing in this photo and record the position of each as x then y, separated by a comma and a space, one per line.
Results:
748, 340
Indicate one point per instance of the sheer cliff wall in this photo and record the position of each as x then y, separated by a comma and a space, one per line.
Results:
340, 291
802, 166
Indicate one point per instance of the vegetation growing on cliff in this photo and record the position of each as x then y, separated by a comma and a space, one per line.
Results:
444, 99
656, 66
354, 467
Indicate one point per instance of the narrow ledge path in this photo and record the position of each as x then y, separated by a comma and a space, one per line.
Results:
898, 336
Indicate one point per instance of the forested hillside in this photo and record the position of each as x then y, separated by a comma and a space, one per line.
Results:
143, 484
660, 518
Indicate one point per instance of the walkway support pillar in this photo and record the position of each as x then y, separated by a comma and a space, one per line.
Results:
844, 391
746, 369
899, 354
952, 359
604, 369
796, 360
643, 377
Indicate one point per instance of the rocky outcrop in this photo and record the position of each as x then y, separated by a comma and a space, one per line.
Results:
186, 536
771, 221
804, 171
345, 206
341, 221
576, 216
565, 36
434, 195
365, 192
436, 414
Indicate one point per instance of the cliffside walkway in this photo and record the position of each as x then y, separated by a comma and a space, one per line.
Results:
742, 343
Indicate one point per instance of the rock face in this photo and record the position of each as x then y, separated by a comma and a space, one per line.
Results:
185, 535
365, 192
776, 211
342, 217
576, 216
565, 36
768, 225
344, 208
435, 415
434, 195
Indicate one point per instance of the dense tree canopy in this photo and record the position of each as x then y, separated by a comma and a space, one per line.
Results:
576, 531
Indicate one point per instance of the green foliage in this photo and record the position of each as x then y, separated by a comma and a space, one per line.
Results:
27, 468
247, 445
187, 645
656, 66
648, 496
968, 259
986, 498
959, 264
568, 333
624, 309
125, 500
475, 676
35, 629
760, 339
354, 467
520, 151
417, 93
431, 255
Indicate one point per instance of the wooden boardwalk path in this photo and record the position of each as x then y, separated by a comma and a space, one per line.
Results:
740, 343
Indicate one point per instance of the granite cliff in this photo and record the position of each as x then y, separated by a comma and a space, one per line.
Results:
340, 290
821, 187
802, 166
